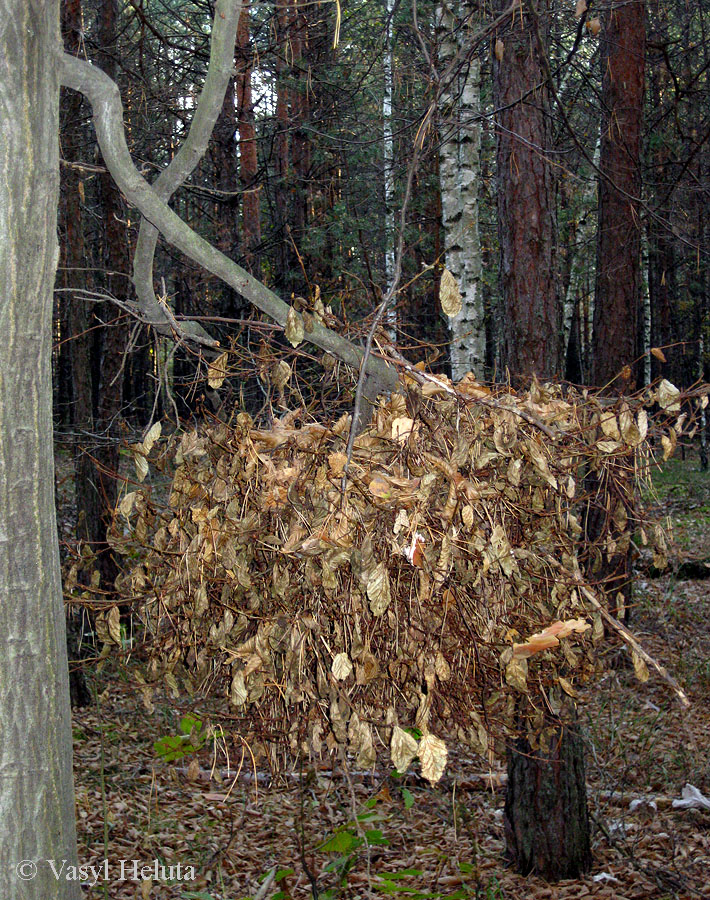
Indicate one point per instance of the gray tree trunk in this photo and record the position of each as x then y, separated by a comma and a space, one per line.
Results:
36, 789
390, 319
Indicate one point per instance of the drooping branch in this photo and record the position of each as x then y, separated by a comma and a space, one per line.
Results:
105, 99
219, 71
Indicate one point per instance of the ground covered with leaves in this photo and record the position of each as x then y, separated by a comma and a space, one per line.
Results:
155, 789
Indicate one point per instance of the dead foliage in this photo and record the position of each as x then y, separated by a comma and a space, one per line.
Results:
444, 594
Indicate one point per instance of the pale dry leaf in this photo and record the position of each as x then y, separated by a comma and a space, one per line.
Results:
499, 49
567, 687
442, 667
516, 674
640, 667
668, 396
342, 667
140, 462
380, 487
659, 354
366, 755
609, 425
125, 507
669, 443
336, 462
449, 294
217, 371
594, 26
403, 748
114, 625
378, 590
294, 327
238, 690
581, 8
280, 374
153, 435
432, 756
402, 428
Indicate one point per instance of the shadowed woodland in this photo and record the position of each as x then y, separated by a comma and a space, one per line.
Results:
378, 376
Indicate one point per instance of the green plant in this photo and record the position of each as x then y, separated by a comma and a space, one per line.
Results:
191, 738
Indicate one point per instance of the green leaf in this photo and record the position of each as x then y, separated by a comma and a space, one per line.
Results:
172, 747
340, 842
408, 798
283, 873
402, 873
374, 836
188, 722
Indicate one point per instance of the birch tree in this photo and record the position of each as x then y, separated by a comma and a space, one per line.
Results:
459, 174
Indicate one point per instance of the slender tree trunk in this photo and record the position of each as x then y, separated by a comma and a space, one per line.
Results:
36, 789
618, 285
531, 319
459, 173
223, 154
390, 318
248, 160
79, 348
284, 277
115, 334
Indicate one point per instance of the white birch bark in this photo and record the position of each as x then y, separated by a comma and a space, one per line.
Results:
459, 174
390, 318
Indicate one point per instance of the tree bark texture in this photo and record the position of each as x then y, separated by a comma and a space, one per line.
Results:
531, 320
36, 788
618, 282
546, 819
248, 160
114, 335
460, 175
223, 156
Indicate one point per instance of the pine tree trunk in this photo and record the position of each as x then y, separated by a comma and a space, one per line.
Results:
546, 818
248, 160
618, 285
115, 334
531, 316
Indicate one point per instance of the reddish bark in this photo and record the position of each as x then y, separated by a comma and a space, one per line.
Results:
546, 821
248, 160
283, 95
618, 283
531, 316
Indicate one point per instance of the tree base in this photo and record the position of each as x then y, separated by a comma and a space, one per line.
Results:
546, 818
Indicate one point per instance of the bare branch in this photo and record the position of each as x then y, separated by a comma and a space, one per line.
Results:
105, 99
219, 71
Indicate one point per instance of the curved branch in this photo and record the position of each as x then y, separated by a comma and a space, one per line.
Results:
105, 99
219, 71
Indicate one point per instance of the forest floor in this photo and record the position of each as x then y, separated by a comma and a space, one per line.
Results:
299, 839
